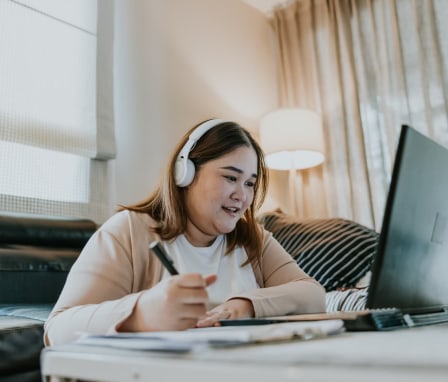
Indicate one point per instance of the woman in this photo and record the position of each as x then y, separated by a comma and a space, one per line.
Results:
203, 212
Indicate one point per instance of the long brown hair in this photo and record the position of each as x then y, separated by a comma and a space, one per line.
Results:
166, 204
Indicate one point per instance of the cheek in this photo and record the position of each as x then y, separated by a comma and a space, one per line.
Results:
214, 194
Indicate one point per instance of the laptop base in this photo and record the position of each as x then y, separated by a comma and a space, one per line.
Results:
390, 319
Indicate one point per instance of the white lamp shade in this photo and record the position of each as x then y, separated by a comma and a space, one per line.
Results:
292, 139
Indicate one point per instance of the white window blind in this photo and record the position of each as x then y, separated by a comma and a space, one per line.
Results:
56, 113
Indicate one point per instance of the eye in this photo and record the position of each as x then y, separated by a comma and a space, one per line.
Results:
230, 178
250, 184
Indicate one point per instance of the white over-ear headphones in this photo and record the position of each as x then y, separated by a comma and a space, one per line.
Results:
184, 169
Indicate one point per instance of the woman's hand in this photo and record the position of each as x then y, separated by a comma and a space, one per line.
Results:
175, 303
235, 308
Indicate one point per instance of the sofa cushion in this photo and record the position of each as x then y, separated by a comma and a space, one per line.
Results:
33, 275
36, 254
346, 300
21, 337
336, 252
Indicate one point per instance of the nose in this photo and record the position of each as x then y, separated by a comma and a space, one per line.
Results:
240, 193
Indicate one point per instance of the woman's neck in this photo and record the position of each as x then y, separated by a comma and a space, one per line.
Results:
198, 239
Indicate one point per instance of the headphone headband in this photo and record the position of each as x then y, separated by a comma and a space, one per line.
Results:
184, 168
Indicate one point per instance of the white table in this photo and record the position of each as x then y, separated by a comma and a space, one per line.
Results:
417, 354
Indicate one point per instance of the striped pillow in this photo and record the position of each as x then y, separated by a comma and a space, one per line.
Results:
346, 300
336, 252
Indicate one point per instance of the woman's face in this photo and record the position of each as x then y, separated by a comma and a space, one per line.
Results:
223, 189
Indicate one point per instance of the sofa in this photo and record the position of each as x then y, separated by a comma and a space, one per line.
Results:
36, 253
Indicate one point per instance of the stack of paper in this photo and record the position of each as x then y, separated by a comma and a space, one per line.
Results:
187, 340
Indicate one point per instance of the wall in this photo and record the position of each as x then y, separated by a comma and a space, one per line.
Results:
177, 63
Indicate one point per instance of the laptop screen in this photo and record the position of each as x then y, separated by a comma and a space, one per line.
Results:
410, 270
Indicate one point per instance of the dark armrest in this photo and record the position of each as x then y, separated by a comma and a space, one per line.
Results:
45, 232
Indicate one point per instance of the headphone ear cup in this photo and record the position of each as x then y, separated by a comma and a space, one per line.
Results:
184, 168
184, 172
189, 174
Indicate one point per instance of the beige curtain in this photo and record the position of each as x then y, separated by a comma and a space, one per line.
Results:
367, 66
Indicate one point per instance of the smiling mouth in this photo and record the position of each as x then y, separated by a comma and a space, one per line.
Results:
232, 210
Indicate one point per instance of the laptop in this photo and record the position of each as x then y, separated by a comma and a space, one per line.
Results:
409, 282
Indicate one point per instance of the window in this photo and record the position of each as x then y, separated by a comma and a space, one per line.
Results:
55, 63
400, 57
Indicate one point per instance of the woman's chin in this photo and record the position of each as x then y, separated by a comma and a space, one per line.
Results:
227, 229
227, 226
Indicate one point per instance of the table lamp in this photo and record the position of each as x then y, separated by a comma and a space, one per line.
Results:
292, 139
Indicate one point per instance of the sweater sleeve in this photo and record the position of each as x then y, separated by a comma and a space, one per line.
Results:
286, 288
105, 282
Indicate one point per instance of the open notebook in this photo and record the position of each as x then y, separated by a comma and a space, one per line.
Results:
409, 284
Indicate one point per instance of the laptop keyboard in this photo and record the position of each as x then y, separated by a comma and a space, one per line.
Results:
429, 318
389, 319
